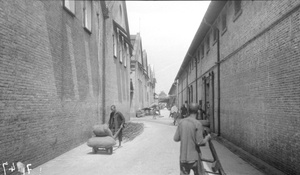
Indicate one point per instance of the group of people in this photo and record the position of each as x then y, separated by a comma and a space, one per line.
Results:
182, 113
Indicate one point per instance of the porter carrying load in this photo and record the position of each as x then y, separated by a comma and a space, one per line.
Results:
103, 138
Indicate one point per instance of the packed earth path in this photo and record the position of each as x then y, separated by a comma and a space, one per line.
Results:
152, 152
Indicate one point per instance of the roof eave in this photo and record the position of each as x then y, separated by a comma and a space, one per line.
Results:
211, 14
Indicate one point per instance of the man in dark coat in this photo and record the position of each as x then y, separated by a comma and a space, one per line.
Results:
116, 121
183, 111
187, 108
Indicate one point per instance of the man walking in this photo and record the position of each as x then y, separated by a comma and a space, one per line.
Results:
187, 107
183, 111
116, 122
190, 134
174, 109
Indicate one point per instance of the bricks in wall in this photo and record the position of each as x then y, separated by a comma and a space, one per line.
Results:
259, 86
45, 87
260, 89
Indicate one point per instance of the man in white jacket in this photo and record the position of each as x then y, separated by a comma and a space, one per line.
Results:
190, 134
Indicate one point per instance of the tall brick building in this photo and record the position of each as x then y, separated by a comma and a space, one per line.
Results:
243, 67
141, 76
62, 64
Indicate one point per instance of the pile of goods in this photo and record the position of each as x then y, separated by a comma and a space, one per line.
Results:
103, 139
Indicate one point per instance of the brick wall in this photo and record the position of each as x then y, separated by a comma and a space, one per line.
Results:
260, 70
50, 80
260, 82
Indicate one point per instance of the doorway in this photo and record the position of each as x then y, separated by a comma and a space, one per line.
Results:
209, 100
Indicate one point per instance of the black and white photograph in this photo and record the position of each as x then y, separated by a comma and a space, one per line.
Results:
95, 87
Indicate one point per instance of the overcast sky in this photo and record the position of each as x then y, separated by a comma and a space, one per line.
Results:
167, 29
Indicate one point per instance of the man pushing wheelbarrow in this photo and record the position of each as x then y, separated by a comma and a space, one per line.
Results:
116, 123
105, 135
190, 134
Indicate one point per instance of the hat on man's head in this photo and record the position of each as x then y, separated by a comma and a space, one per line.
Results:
193, 108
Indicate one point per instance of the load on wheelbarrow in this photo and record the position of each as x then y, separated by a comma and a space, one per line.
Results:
103, 139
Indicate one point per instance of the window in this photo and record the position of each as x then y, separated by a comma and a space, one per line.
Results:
237, 6
69, 5
120, 11
202, 51
120, 48
188, 94
207, 44
115, 46
124, 53
224, 24
237, 9
87, 15
193, 63
127, 55
191, 94
140, 91
198, 55
215, 34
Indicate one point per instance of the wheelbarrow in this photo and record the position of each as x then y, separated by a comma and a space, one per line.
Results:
215, 162
103, 142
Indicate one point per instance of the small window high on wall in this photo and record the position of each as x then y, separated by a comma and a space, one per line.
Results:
198, 55
191, 94
127, 57
237, 6
87, 15
207, 43
237, 9
224, 22
215, 34
121, 49
115, 46
202, 51
193, 63
69, 5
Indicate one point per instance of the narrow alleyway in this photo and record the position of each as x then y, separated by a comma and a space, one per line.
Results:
152, 153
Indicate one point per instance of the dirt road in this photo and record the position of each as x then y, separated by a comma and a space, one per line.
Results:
153, 152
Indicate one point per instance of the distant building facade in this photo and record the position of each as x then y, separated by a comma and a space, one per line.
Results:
243, 68
63, 63
142, 77
118, 52
173, 99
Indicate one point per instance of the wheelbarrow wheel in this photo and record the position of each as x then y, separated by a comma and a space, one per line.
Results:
95, 150
110, 150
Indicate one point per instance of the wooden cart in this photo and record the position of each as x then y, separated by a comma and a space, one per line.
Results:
108, 149
215, 162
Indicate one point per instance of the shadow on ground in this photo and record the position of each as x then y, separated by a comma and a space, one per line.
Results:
132, 130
